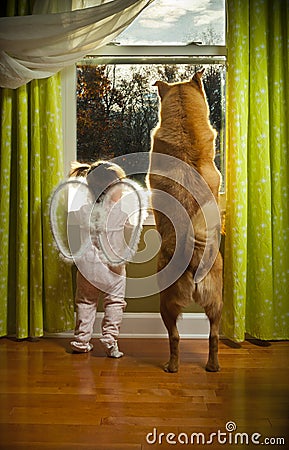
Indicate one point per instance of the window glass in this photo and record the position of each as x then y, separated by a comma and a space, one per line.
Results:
117, 106
168, 22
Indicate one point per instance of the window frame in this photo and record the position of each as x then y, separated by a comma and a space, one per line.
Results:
160, 54
128, 54
131, 54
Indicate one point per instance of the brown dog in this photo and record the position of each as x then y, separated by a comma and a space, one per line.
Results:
184, 132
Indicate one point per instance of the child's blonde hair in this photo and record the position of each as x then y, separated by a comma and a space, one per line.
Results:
98, 180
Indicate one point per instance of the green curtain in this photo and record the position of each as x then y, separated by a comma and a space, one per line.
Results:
35, 285
256, 272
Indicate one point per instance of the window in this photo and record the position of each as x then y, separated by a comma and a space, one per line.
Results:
117, 107
170, 22
116, 104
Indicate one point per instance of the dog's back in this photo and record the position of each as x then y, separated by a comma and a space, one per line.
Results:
185, 133
184, 129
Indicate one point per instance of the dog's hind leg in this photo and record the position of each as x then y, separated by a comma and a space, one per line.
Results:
170, 312
214, 315
208, 294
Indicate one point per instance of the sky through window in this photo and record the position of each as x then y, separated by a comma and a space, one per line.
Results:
178, 23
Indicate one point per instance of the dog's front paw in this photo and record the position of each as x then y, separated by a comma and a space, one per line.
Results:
171, 367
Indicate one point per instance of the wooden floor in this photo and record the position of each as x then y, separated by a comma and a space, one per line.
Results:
53, 399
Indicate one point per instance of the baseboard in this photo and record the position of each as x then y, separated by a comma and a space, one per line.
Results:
150, 325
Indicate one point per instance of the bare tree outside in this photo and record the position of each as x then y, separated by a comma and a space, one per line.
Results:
117, 106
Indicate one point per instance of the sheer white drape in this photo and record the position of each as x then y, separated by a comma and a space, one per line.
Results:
56, 6
39, 45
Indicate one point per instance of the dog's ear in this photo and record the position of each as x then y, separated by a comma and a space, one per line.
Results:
163, 87
199, 74
198, 77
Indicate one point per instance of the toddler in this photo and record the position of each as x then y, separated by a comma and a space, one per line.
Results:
96, 277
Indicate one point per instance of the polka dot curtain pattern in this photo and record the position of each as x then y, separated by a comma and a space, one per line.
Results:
35, 285
256, 272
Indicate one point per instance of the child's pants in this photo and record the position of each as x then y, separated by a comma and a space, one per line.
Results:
87, 297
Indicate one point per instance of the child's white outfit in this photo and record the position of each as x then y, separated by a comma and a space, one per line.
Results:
87, 297
98, 273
